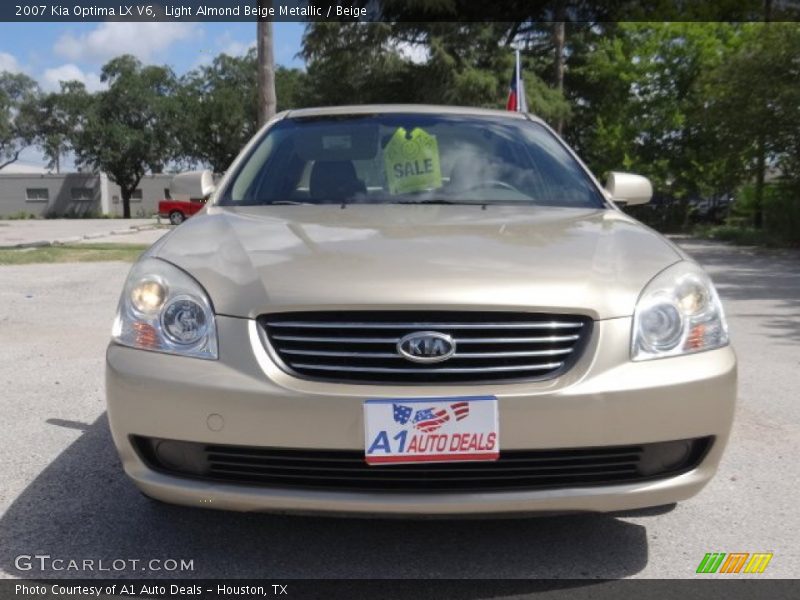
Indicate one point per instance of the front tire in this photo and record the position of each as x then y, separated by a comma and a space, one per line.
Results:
176, 217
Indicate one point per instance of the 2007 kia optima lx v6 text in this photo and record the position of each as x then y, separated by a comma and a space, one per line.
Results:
418, 310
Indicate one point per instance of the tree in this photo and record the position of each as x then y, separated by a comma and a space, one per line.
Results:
52, 118
18, 93
643, 104
291, 87
354, 63
221, 110
128, 129
220, 107
441, 63
754, 105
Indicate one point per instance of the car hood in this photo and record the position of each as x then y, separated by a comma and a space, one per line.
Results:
255, 260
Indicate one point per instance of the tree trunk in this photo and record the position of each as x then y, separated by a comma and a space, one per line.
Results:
11, 160
761, 168
559, 36
126, 202
267, 102
761, 152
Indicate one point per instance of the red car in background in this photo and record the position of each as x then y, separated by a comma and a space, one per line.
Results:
177, 211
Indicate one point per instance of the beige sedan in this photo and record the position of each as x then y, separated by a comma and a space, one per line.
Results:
418, 310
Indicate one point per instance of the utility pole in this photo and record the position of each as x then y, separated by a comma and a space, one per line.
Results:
267, 101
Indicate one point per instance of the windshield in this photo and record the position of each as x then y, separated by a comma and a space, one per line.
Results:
410, 158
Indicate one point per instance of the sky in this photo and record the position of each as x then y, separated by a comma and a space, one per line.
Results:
53, 52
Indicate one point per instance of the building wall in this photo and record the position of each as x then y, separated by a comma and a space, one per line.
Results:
76, 195
68, 194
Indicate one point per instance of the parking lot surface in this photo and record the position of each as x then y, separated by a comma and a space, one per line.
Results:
63, 492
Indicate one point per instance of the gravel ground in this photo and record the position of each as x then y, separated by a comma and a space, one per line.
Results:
64, 494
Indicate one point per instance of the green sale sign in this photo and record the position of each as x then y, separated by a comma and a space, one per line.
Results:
412, 162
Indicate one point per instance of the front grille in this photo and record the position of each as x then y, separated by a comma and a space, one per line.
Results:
346, 470
361, 347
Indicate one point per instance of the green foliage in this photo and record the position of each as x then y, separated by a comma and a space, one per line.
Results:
671, 217
643, 108
754, 105
739, 235
68, 253
545, 101
220, 107
18, 93
128, 129
467, 64
755, 93
781, 208
700, 108
52, 118
354, 63
782, 214
19, 216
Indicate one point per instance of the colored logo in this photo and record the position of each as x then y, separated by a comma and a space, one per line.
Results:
430, 419
734, 563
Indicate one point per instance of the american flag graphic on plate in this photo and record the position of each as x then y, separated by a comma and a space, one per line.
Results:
402, 413
430, 419
431, 429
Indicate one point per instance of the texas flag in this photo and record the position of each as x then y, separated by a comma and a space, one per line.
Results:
516, 93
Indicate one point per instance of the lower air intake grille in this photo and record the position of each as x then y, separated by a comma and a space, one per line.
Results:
362, 347
346, 470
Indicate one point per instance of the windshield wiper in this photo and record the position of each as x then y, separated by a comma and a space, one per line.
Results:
289, 202
442, 201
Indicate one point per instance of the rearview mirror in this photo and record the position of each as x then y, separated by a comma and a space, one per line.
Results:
193, 184
628, 189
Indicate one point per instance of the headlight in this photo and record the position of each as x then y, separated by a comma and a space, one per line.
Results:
678, 312
165, 310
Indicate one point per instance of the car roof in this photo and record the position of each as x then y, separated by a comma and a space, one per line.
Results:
362, 109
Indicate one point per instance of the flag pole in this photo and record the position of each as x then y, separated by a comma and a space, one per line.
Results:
517, 99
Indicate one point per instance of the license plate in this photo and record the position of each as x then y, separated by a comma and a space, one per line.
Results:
409, 430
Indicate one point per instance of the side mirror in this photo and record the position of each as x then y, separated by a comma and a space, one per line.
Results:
193, 184
628, 189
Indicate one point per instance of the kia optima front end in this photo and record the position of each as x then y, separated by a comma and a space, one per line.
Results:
418, 310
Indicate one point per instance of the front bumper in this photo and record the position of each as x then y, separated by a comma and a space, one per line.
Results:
245, 399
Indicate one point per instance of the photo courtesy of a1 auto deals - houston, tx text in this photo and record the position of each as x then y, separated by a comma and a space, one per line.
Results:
390, 299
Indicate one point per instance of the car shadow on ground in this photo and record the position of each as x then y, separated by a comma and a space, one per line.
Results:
83, 507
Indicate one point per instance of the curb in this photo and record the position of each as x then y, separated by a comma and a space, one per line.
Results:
89, 236
36, 244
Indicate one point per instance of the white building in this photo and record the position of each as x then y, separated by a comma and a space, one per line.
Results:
76, 195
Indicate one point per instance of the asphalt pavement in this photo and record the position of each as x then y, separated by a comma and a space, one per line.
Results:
63, 493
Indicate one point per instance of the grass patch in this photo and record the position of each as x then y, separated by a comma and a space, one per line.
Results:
19, 216
69, 253
742, 236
